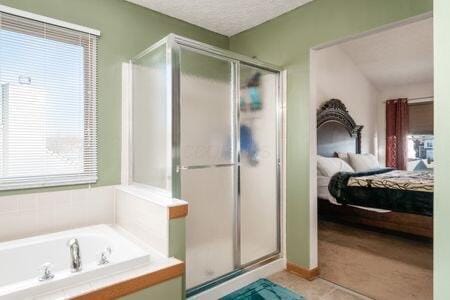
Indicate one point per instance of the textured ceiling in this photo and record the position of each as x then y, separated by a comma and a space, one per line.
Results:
399, 56
227, 17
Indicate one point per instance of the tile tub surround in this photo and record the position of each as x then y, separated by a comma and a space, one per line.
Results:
146, 220
147, 215
32, 214
38, 213
144, 215
137, 212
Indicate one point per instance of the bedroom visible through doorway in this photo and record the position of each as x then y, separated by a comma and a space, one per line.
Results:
373, 99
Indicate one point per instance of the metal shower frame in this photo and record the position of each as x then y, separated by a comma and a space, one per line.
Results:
173, 44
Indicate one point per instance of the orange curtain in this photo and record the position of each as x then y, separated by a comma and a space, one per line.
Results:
397, 122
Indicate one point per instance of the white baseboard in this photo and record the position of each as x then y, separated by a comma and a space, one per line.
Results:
242, 280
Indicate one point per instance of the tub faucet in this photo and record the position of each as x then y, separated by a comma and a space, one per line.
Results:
75, 258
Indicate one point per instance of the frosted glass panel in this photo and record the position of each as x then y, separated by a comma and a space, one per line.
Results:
206, 110
151, 132
258, 177
209, 224
233, 203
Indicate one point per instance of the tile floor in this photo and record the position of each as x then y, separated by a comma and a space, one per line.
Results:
317, 289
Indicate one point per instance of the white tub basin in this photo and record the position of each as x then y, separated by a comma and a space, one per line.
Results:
21, 260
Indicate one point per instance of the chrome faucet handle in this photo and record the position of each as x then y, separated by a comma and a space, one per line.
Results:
46, 272
71, 242
75, 255
104, 256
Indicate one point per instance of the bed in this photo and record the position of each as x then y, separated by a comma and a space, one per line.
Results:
382, 198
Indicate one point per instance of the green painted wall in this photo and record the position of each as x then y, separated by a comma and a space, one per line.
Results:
177, 235
441, 134
126, 30
168, 290
286, 41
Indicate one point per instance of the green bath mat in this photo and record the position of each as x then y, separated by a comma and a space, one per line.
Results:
263, 289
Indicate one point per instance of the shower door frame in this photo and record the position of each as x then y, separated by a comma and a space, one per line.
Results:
174, 43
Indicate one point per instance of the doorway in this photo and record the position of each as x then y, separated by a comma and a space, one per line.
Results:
377, 249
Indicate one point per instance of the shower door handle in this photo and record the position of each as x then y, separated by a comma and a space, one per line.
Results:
180, 168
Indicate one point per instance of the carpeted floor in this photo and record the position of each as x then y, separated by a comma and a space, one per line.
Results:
378, 265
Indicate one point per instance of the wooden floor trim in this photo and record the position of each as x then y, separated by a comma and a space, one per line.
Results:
135, 284
308, 274
179, 211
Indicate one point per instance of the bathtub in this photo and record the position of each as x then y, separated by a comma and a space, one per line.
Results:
21, 260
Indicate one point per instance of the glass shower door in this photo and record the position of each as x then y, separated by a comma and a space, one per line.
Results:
205, 128
208, 165
259, 205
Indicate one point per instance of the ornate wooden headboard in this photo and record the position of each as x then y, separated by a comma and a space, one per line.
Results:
336, 130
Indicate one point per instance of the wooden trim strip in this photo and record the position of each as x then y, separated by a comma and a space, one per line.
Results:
135, 284
308, 274
179, 211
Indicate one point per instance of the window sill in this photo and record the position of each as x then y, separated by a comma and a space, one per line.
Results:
19, 184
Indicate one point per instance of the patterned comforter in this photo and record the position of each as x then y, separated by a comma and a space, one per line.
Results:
399, 191
421, 181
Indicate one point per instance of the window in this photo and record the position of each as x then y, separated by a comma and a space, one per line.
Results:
421, 139
48, 104
420, 152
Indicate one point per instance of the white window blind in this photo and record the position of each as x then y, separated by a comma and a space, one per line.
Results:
48, 104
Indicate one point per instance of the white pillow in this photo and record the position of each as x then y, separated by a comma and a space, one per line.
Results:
323, 181
343, 156
363, 162
328, 166
319, 172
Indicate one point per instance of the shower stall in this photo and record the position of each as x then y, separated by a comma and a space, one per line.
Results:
206, 128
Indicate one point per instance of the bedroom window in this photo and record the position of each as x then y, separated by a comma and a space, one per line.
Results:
420, 152
48, 104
